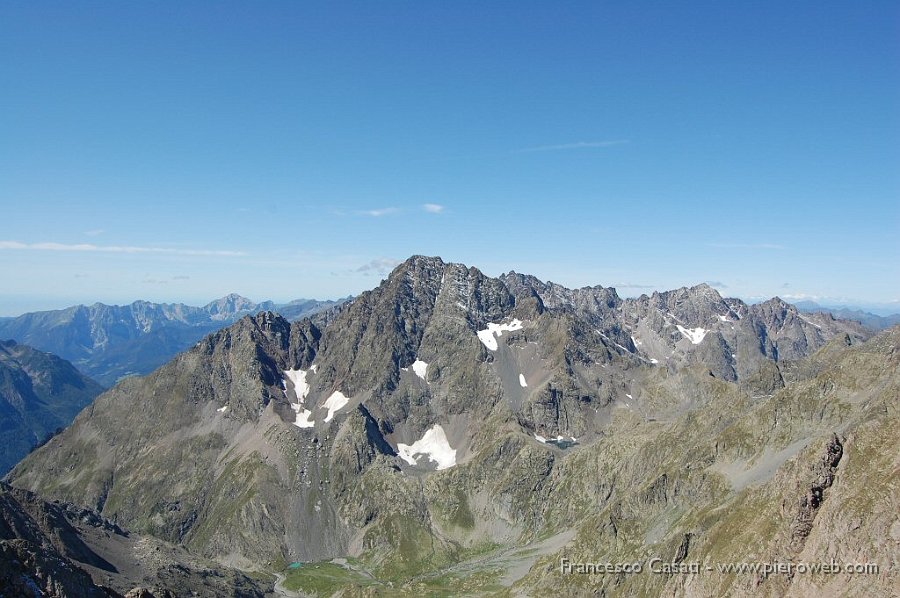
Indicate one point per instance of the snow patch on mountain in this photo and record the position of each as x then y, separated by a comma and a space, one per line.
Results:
434, 445
808, 321
303, 417
695, 334
489, 336
522, 381
420, 367
334, 403
301, 389
606, 338
298, 378
559, 441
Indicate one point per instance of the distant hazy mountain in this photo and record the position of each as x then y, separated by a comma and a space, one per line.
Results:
868, 319
449, 433
108, 342
39, 393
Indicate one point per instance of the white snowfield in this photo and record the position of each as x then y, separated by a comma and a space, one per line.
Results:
298, 377
695, 334
808, 321
302, 420
522, 381
558, 439
433, 445
420, 367
301, 389
334, 403
222, 409
489, 336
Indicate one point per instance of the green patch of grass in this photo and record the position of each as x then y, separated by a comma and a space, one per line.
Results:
324, 579
477, 583
260, 576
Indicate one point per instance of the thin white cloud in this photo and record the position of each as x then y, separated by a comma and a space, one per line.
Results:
380, 265
632, 285
89, 247
572, 146
378, 212
94, 233
746, 246
433, 208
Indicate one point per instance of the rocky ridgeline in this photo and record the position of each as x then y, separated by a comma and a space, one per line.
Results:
446, 410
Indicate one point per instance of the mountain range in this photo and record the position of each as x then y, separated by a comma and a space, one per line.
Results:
866, 318
109, 342
449, 433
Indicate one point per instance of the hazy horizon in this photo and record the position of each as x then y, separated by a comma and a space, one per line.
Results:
375, 277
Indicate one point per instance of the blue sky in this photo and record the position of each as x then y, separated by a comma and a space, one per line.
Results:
178, 151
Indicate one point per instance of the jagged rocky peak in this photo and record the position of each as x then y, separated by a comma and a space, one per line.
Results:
428, 281
264, 327
700, 305
588, 300
776, 310
420, 269
229, 305
686, 299
383, 329
482, 299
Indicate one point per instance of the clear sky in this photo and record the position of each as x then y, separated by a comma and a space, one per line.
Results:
178, 151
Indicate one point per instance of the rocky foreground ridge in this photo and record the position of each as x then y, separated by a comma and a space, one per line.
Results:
462, 433
60, 550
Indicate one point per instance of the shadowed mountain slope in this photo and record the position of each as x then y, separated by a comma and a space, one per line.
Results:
39, 395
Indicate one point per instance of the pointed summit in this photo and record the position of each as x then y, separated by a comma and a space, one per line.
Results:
228, 306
